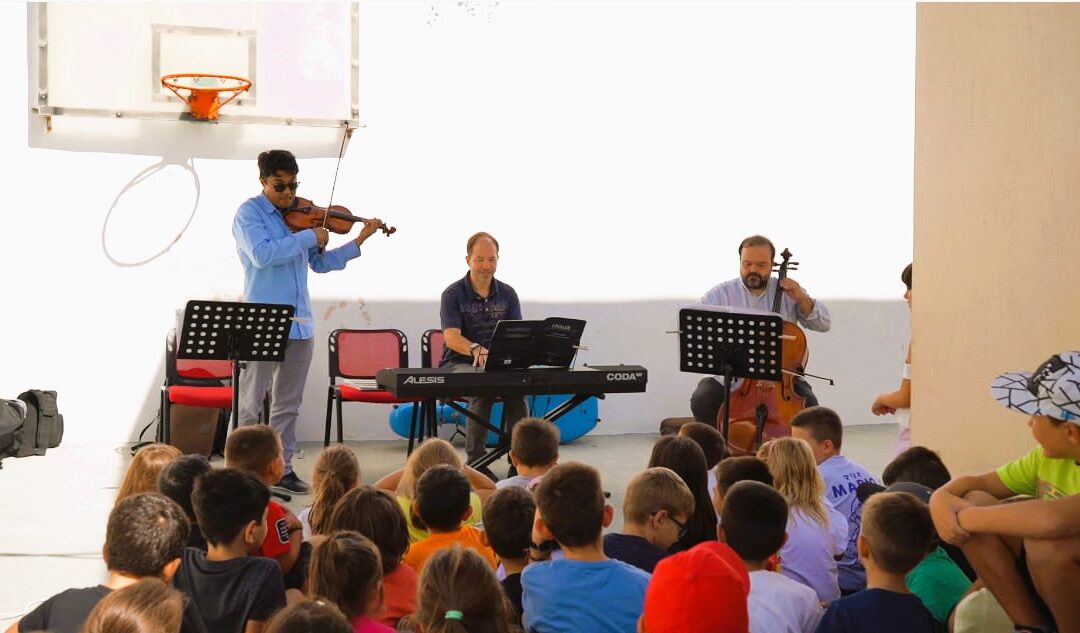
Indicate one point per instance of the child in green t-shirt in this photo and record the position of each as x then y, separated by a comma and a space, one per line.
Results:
1017, 547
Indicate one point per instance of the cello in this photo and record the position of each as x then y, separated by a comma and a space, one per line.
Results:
762, 409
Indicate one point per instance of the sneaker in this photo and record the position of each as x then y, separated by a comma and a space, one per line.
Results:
294, 484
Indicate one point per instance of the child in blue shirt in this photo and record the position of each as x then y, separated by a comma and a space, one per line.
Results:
820, 427
585, 591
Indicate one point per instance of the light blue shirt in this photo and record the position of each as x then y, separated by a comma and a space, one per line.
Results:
276, 260
842, 478
735, 294
570, 596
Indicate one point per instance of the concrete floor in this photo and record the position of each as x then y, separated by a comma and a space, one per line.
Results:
53, 509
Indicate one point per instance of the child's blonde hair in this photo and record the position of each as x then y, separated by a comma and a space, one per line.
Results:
432, 452
795, 475
143, 471
336, 472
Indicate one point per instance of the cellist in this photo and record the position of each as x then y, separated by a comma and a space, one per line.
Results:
754, 288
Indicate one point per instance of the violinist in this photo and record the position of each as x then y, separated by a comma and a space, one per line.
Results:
276, 261
755, 288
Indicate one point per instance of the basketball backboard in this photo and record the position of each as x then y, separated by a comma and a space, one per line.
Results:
105, 60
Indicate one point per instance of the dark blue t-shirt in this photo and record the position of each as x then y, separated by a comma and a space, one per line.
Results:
878, 611
463, 308
633, 550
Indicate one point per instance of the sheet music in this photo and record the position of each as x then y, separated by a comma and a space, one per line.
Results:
363, 384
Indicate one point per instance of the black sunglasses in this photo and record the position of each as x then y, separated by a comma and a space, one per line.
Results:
683, 527
282, 186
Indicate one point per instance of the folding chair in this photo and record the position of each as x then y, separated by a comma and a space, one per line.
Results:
194, 383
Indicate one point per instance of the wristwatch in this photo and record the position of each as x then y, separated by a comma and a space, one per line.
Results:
472, 348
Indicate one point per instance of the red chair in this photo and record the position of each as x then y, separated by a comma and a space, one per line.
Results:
193, 383
358, 355
431, 348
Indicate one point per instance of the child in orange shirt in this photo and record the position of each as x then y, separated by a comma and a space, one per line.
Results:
441, 504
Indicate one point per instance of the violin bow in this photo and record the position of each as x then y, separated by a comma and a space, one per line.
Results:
333, 185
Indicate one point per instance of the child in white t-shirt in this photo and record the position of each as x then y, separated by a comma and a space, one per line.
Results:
753, 523
817, 533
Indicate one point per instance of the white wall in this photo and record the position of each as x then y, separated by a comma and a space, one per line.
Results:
619, 151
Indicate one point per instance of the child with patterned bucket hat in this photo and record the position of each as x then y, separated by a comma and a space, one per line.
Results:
1027, 552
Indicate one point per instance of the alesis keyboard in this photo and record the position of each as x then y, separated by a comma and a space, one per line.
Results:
448, 382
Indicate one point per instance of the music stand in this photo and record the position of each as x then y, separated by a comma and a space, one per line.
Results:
234, 331
742, 343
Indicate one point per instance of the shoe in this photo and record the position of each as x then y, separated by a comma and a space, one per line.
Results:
485, 471
294, 484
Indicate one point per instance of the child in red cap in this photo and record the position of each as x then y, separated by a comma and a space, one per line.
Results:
701, 590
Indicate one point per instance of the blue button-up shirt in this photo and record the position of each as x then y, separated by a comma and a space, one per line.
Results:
735, 294
276, 260
463, 308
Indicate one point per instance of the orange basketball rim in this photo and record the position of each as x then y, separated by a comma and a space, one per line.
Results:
205, 101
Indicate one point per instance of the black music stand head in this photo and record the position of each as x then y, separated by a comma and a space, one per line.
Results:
741, 343
235, 331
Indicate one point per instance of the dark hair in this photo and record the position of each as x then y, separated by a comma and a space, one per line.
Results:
757, 240
309, 616
226, 501
571, 502
336, 472
709, 439
177, 480
346, 568
508, 521
906, 276
754, 519
747, 468
275, 160
147, 605
459, 579
376, 515
898, 529
918, 464
823, 424
145, 532
475, 237
442, 497
686, 458
252, 448
535, 442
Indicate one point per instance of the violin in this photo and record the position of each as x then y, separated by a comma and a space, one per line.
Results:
763, 409
304, 214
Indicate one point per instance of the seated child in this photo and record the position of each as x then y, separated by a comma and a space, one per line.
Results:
1034, 543
701, 590
376, 515
145, 538
686, 458
177, 481
585, 591
820, 427
735, 469
712, 444
228, 590
346, 569
656, 509
936, 580
309, 616
147, 605
896, 534
534, 449
336, 472
433, 452
257, 449
754, 524
508, 522
459, 592
142, 473
817, 532
442, 506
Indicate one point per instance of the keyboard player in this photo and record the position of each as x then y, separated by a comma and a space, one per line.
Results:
470, 308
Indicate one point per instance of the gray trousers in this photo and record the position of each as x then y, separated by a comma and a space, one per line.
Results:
285, 383
514, 408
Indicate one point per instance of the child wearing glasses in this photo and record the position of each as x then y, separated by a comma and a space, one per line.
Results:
656, 509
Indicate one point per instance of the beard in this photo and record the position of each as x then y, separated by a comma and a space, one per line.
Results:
755, 281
